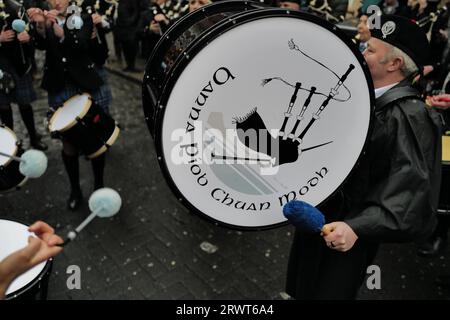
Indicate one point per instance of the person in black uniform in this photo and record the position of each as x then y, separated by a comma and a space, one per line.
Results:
98, 48
15, 59
69, 70
392, 196
126, 29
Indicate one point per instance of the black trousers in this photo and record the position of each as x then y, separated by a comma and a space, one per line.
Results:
316, 272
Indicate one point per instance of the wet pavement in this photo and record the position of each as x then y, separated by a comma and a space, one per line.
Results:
155, 249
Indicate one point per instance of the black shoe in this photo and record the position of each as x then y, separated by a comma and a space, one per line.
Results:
433, 247
74, 201
38, 144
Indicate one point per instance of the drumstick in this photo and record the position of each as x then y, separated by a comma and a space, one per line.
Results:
10, 156
307, 218
33, 163
104, 203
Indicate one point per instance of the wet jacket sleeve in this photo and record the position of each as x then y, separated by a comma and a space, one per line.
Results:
400, 206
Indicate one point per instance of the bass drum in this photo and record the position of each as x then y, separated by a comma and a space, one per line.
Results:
264, 107
175, 41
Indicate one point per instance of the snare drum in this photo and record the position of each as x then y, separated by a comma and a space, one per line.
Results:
33, 283
10, 176
444, 198
178, 38
84, 124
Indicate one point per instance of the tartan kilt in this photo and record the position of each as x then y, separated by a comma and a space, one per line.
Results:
22, 94
102, 96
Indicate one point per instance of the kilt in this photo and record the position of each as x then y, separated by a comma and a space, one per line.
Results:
22, 94
102, 96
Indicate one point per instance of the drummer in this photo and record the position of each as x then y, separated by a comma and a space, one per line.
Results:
16, 55
68, 70
39, 249
393, 194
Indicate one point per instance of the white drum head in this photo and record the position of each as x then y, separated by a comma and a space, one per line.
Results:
74, 107
8, 145
248, 74
13, 237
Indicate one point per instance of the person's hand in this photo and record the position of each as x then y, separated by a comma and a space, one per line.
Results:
23, 37
341, 236
97, 19
39, 249
155, 28
441, 101
36, 15
58, 30
7, 35
426, 70
161, 18
50, 17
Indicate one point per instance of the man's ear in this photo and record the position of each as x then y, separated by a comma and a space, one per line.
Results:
396, 64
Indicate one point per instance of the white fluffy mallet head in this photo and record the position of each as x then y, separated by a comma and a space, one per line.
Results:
33, 164
19, 25
107, 201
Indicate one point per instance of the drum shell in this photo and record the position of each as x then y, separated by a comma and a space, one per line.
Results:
175, 41
90, 133
10, 176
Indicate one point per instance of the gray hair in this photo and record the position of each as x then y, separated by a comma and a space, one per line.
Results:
409, 67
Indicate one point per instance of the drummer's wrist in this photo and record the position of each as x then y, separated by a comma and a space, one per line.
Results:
5, 280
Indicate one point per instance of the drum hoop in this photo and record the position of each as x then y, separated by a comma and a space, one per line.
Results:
84, 111
214, 33
16, 150
110, 142
37, 279
20, 185
178, 28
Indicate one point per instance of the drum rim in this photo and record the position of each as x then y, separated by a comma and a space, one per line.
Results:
17, 187
164, 43
36, 280
215, 32
16, 150
109, 142
70, 125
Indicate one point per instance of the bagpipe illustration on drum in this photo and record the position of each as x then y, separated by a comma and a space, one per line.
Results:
287, 145
261, 108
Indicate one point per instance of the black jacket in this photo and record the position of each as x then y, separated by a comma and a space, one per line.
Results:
128, 18
391, 196
14, 56
69, 61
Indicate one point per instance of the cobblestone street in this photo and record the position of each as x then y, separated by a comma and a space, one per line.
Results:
155, 249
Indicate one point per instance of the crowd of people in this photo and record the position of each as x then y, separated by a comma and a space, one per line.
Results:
403, 199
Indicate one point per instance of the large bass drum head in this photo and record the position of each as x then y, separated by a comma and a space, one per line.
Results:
269, 106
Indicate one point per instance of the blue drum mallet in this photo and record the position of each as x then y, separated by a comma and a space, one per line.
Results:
305, 217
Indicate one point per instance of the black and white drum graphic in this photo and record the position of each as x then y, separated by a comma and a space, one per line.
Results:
267, 106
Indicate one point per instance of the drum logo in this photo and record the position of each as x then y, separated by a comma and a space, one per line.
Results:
249, 144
